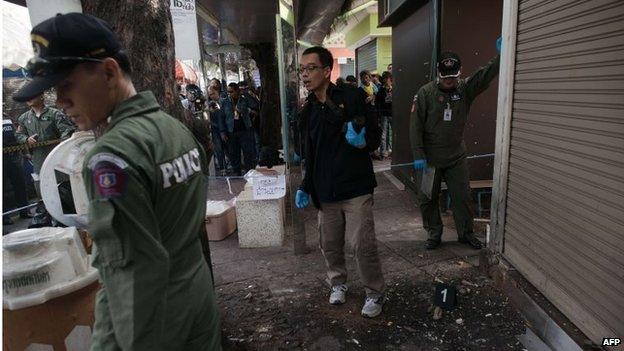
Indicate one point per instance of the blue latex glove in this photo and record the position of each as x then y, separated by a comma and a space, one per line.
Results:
355, 139
302, 199
420, 164
499, 43
296, 158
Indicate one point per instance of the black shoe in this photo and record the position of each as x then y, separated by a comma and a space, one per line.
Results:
432, 244
472, 241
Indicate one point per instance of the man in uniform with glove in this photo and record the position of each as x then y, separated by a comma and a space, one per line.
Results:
340, 130
437, 122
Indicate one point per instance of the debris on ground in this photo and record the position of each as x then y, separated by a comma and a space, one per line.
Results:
482, 319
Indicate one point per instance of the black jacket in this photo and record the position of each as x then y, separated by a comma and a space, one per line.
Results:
383, 102
335, 170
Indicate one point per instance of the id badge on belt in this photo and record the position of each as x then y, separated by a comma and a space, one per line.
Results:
448, 113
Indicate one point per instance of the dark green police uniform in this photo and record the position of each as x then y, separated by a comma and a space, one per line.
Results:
438, 119
50, 125
145, 179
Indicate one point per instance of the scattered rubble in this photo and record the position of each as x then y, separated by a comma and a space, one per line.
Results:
301, 319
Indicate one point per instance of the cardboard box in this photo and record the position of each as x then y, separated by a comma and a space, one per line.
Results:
63, 323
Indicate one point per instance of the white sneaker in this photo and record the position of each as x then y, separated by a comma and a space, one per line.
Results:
372, 306
338, 294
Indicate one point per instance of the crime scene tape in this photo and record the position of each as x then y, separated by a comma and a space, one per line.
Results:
26, 147
375, 168
35, 204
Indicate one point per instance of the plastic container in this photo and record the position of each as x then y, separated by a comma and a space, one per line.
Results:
49, 289
220, 219
67, 159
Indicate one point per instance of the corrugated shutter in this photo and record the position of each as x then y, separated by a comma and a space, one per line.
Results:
564, 226
366, 56
347, 69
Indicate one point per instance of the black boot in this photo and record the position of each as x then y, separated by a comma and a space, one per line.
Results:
471, 240
432, 244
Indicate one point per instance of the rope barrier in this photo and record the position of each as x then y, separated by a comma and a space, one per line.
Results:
229, 178
382, 168
26, 147
35, 204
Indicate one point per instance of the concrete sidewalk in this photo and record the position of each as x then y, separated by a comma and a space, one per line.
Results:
271, 299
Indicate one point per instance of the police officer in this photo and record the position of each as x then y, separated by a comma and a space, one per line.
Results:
217, 129
254, 112
13, 170
42, 124
438, 118
145, 180
237, 109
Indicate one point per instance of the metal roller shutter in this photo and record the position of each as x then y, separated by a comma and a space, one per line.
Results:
366, 57
347, 68
564, 226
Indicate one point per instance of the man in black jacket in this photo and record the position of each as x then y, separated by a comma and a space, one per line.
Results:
339, 131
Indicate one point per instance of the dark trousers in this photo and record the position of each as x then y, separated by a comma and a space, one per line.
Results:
13, 172
458, 182
219, 151
242, 141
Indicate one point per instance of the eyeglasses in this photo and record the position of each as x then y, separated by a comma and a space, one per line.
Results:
41, 67
308, 69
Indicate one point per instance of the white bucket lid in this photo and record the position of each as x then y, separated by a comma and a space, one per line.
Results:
67, 157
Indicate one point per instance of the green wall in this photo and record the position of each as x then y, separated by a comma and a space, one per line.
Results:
384, 53
374, 30
366, 28
358, 32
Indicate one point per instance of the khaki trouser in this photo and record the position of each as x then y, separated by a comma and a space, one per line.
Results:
351, 221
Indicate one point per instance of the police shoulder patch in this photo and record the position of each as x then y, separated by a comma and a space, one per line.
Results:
109, 174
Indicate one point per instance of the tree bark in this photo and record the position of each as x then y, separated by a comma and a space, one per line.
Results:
146, 33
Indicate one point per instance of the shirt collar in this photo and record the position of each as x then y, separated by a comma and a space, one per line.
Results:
332, 89
43, 111
139, 104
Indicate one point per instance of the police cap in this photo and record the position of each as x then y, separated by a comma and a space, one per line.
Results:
62, 42
449, 65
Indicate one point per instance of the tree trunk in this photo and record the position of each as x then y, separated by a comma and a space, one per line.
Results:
270, 126
146, 33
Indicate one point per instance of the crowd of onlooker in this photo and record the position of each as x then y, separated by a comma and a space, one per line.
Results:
233, 111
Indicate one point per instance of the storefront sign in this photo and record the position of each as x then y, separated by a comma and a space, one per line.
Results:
184, 22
